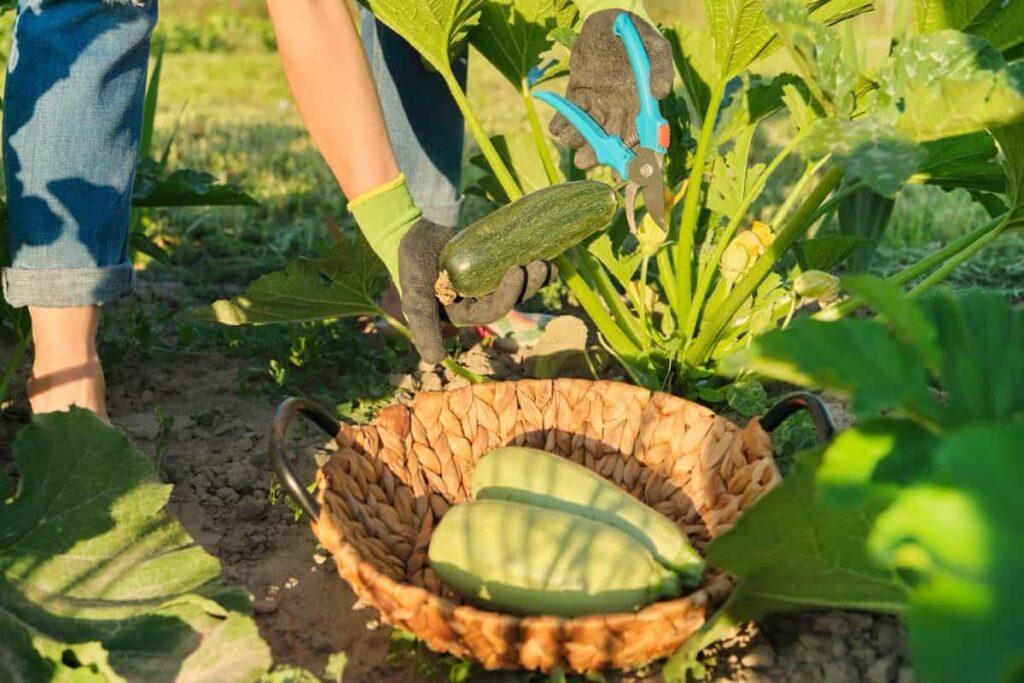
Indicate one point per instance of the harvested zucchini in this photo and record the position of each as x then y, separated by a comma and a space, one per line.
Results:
539, 226
527, 475
524, 559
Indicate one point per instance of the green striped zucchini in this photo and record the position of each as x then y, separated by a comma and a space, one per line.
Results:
537, 227
524, 559
534, 477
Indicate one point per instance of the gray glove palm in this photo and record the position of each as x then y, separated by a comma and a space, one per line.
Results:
417, 267
601, 81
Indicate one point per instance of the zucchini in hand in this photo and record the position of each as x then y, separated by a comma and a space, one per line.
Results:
534, 477
523, 559
538, 227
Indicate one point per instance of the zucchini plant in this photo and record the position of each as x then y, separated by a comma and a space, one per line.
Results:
669, 306
915, 510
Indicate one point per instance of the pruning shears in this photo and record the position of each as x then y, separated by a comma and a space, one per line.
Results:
638, 159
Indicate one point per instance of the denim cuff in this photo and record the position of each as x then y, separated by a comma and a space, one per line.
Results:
443, 214
67, 287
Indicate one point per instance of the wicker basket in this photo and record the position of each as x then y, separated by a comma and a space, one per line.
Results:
387, 484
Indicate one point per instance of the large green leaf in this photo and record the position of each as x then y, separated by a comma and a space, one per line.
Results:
742, 33
950, 83
435, 28
936, 15
1001, 22
826, 253
959, 531
733, 176
970, 343
869, 150
513, 34
864, 214
981, 366
858, 357
156, 188
876, 458
967, 161
1011, 147
793, 550
344, 284
817, 50
1004, 27
908, 322
693, 52
751, 99
93, 575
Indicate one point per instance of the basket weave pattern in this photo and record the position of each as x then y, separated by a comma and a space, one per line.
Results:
387, 484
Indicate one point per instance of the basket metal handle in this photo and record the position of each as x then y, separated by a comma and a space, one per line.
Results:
793, 403
278, 453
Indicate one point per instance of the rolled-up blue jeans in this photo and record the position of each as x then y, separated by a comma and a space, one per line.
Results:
424, 123
72, 122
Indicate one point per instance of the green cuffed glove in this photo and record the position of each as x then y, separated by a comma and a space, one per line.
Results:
410, 246
385, 215
601, 81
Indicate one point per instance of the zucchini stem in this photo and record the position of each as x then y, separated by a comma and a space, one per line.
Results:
538, 133
923, 266
691, 206
501, 172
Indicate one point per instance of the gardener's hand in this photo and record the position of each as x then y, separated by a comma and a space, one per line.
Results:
417, 267
601, 81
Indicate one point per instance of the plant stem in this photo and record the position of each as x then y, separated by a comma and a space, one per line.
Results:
795, 226
498, 167
455, 368
833, 201
617, 339
449, 363
950, 265
13, 363
794, 194
595, 274
666, 275
642, 308
538, 133
691, 206
707, 273
917, 270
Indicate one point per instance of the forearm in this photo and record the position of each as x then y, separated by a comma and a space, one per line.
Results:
588, 7
331, 82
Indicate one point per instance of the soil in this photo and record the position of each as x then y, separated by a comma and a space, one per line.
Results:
214, 453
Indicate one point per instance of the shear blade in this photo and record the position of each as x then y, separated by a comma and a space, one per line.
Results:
655, 204
631, 190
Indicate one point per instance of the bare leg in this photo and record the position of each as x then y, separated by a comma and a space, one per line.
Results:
67, 369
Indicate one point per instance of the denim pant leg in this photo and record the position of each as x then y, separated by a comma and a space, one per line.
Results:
424, 123
72, 122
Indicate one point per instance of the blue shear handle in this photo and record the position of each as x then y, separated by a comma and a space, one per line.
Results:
609, 149
649, 121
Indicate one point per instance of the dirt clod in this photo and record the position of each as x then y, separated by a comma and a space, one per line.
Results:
834, 623
760, 657
882, 670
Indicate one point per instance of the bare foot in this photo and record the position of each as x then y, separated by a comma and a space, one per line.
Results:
56, 389
66, 371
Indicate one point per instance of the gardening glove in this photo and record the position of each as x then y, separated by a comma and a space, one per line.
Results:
417, 265
601, 81
409, 246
